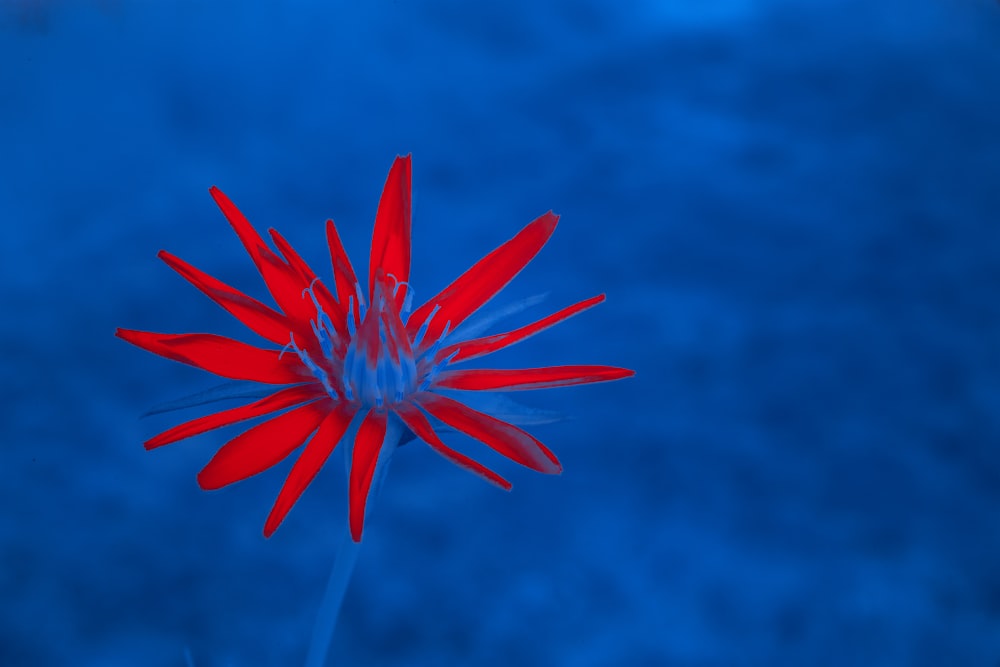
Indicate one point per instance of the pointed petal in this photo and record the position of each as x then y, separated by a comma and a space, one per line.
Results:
263, 446
482, 281
315, 454
222, 356
391, 236
283, 282
260, 319
484, 320
226, 391
421, 427
252, 241
363, 461
291, 257
397, 342
528, 378
506, 439
277, 401
344, 278
500, 406
306, 275
477, 347
368, 342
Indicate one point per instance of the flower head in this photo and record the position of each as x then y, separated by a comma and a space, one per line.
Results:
352, 351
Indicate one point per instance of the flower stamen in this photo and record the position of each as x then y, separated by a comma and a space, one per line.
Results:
435, 369
322, 326
404, 312
422, 331
379, 367
318, 372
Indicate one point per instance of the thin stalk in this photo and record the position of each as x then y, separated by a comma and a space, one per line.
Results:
347, 557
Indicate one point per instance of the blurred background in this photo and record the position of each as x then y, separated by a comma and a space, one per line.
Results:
794, 207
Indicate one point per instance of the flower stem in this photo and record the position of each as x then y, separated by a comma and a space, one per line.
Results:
329, 609
347, 556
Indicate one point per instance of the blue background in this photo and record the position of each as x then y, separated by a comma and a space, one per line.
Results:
793, 206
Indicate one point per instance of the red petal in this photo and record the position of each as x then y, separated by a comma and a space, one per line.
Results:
291, 257
277, 401
484, 279
478, 347
262, 446
418, 423
529, 378
391, 237
505, 438
283, 282
256, 316
308, 278
315, 454
222, 356
363, 461
344, 277
397, 342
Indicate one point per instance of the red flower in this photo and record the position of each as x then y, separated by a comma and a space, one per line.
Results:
347, 351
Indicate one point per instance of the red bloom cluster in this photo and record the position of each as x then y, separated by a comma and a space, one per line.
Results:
345, 351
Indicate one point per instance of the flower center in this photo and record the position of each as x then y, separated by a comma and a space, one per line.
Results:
378, 366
